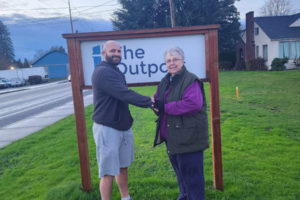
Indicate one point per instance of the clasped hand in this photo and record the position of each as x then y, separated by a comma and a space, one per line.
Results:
158, 106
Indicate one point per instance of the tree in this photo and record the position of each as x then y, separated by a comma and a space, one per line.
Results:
19, 64
58, 48
39, 53
26, 63
141, 14
276, 8
6, 47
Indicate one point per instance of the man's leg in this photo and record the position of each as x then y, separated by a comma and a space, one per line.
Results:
105, 187
107, 150
126, 157
122, 181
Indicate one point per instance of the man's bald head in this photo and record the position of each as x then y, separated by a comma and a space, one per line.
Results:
111, 52
109, 43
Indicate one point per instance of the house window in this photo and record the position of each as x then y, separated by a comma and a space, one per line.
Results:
295, 50
265, 52
256, 51
290, 50
256, 31
284, 49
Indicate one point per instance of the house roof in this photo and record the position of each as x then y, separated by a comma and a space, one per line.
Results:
278, 27
46, 54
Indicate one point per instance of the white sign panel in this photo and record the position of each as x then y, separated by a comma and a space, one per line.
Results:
143, 58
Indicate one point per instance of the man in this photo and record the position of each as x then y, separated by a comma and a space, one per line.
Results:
112, 121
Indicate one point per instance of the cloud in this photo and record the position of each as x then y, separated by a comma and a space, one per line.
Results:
4, 5
31, 34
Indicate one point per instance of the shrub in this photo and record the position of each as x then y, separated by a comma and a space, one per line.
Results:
256, 64
278, 64
227, 59
297, 62
225, 65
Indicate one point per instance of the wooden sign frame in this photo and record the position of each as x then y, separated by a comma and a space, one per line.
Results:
212, 76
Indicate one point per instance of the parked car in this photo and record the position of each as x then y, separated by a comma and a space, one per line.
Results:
2, 84
6, 82
37, 79
16, 82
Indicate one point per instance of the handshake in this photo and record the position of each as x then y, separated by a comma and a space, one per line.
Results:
158, 106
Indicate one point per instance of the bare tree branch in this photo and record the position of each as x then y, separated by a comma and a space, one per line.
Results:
276, 8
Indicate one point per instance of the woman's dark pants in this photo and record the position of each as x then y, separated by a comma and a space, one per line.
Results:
190, 175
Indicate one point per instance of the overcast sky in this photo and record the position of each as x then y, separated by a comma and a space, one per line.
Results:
245, 6
90, 9
99, 9
38, 24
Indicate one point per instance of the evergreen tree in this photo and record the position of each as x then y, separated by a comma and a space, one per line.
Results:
26, 63
18, 63
141, 14
6, 46
4, 62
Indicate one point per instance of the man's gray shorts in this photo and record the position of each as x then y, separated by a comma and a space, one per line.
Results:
114, 149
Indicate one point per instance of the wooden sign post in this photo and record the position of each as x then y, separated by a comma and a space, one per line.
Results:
200, 44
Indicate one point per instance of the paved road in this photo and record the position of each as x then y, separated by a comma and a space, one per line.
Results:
30, 109
20, 103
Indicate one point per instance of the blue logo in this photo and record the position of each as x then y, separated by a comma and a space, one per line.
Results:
97, 57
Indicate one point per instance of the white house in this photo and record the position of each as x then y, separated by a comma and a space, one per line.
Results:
270, 37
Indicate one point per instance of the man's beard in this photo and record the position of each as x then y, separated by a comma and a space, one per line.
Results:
111, 60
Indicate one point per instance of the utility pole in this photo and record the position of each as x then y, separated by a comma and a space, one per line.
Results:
172, 13
70, 16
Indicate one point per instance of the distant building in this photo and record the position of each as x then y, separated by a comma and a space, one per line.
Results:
269, 37
57, 63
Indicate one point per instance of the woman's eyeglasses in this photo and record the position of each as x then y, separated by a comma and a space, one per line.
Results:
175, 60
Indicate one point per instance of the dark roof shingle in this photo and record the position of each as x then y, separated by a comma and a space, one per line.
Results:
278, 27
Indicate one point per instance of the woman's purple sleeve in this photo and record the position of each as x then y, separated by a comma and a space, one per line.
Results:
190, 104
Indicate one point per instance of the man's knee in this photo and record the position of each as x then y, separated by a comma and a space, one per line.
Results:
107, 179
123, 169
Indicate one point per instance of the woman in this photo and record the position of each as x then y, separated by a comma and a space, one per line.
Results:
182, 124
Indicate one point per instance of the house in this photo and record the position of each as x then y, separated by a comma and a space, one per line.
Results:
57, 63
269, 37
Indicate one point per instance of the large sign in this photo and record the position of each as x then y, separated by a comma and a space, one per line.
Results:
143, 58
143, 64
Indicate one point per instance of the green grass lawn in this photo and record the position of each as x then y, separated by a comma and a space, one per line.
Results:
260, 144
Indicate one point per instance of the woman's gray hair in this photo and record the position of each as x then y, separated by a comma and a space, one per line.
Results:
174, 50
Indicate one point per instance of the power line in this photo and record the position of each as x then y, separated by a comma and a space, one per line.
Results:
76, 13
44, 21
19, 9
103, 4
59, 8
63, 16
97, 12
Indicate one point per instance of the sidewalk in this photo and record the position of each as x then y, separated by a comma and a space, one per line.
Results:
20, 129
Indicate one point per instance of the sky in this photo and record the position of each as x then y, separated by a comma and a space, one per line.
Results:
37, 25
